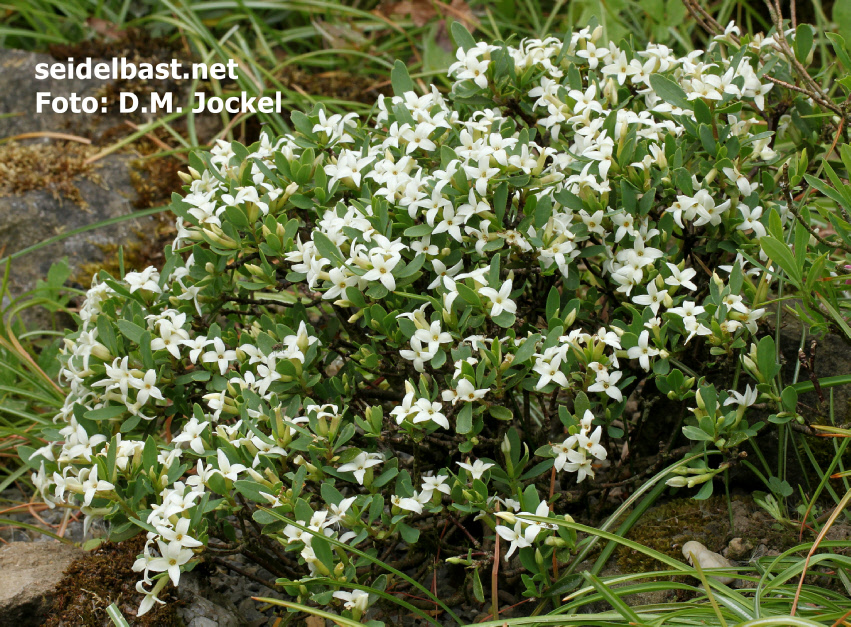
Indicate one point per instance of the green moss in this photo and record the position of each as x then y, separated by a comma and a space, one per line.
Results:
53, 167
666, 528
102, 577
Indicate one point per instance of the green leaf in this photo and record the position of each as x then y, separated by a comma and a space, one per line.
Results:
419, 230
840, 50
145, 350
669, 91
505, 319
478, 591
149, 454
251, 490
779, 253
500, 413
553, 302
693, 433
766, 357
464, 422
613, 599
106, 335
803, 42
106, 413
323, 552
702, 113
400, 79
415, 264
789, 398
707, 139
825, 189
462, 37
468, 295
326, 247
409, 534
705, 492
116, 616
527, 349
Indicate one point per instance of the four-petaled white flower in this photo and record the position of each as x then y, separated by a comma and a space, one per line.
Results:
220, 355
173, 555
359, 465
643, 351
354, 600
518, 537
681, 277
500, 300
476, 469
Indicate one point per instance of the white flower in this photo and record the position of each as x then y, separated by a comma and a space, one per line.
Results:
382, 270
147, 387
476, 469
220, 355
226, 469
434, 335
191, 433
432, 484
406, 503
417, 354
694, 327
427, 410
90, 484
652, 299
173, 556
354, 600
751, 220
681, 277
179, 534
606, 383
743, 400
591, 444
360, 463
337, 512
643, 352
500, 300
549, 371
465, 392
517, 536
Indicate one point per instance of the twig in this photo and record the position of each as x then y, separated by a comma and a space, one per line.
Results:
784, 186
495, 576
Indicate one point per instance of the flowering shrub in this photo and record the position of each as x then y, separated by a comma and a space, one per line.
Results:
368, 327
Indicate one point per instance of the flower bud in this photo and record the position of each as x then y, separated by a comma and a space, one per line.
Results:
570, 318
711, 175
556, 541
508, 517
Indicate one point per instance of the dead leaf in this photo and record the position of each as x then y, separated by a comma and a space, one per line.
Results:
461, 12
105, 28
421, 11
314, 621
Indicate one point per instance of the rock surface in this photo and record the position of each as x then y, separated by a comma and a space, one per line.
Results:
29, 573
18, 96
34, 215
204, 607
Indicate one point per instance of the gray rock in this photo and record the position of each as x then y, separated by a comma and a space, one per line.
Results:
204, 607
19, 98
29, 573
36, 215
